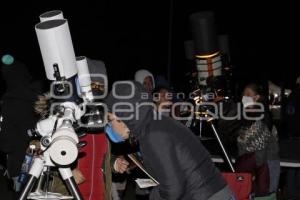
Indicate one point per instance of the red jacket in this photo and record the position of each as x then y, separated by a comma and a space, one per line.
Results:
90, 163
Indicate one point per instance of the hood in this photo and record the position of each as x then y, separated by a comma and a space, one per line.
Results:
97, 67
140, 75
139, 99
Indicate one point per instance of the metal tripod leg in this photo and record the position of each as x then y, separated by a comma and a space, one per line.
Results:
210, 121
200, 127
67, 176
39, 184
34, 174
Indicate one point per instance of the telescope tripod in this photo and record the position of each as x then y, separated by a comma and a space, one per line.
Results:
36, 173
210, 120
227, 159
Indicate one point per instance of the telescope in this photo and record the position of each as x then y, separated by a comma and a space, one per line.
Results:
73, 105
206, 47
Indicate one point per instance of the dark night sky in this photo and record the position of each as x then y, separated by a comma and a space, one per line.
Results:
129, 35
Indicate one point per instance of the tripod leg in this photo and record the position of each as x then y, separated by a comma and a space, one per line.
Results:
40, 182
34, 174
67, 176
222, 146
200, 128
47, 174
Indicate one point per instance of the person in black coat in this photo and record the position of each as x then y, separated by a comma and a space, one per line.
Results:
18, 114
170, 151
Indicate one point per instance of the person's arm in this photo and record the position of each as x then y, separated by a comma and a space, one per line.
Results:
164, 163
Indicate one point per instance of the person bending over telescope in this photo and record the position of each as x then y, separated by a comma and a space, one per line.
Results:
171, 152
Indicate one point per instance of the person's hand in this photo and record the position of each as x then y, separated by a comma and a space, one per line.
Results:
78, 176
121, 165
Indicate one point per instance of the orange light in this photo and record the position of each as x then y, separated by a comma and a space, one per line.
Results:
208, 56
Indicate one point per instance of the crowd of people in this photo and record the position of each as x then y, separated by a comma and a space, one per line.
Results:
169, 149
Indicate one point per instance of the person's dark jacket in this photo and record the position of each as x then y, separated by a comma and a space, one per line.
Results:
5, 191
228, 127
292, 114
171, 152
18, 115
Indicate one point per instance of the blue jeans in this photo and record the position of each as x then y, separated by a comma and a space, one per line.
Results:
274, 171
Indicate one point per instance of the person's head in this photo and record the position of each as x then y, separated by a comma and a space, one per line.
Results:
162, 95
253, 97
148, 83
145, 78
118, 126
98, 73
163, 99
129, 109
254, 91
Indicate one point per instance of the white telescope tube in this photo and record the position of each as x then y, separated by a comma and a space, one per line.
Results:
84, 78
51, 15
56, 47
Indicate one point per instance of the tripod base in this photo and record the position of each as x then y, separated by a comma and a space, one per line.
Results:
47, 196
35, 173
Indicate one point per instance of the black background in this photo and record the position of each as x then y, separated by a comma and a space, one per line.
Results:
130, 35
